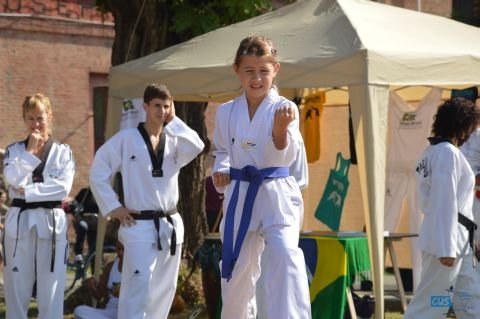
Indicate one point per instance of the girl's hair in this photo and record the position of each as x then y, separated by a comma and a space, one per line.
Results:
256, 45
35, 102
456, 118
156, 91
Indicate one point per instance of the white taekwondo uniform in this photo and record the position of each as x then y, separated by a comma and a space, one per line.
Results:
299, 170
149, 275
408, 129
277, 212
445, 189
111, 309
29, 234
471, 150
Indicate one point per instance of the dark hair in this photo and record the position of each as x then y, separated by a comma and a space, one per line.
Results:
456, 118
257, 45
156, 91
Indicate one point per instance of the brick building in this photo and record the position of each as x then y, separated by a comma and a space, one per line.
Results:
61, 48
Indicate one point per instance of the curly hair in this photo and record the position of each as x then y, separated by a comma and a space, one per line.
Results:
456, 118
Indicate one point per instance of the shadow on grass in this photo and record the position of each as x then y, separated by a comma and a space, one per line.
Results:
32, 309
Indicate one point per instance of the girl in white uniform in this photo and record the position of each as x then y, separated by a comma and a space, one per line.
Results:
257, 139
149, 158
445, 186
40, 174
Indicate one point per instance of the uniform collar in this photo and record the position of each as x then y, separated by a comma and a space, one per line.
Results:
438, 139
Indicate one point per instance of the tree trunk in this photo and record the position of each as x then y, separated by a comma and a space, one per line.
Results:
191, 180
140, 31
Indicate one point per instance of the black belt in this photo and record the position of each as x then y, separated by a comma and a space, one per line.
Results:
471, 227
20, 203
155, 215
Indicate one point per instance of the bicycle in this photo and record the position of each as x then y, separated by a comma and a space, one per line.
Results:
84, 268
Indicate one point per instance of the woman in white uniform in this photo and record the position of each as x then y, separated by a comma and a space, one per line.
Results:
445, 186
40, 174
257, 138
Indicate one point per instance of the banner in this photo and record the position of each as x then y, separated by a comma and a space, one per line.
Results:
132, 113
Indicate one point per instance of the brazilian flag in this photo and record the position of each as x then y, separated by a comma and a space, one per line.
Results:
332, 262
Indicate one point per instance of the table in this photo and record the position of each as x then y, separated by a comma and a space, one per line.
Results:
332, 259
332, 262
389, 239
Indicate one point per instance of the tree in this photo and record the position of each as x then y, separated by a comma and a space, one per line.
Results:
146, 26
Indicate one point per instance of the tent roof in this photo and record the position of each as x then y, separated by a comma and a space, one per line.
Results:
321, 43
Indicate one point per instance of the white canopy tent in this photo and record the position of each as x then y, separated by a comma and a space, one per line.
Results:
363, 45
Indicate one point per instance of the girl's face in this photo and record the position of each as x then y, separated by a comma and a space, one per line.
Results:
37, 119
256, 75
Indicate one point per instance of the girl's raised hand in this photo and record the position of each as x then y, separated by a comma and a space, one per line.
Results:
283, 117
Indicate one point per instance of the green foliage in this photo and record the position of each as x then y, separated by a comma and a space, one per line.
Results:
190, 18
195, 17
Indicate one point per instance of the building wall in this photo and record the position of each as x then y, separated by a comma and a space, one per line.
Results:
61, 49
438, 7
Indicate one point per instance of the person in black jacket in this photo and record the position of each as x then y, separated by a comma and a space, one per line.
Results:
85, 211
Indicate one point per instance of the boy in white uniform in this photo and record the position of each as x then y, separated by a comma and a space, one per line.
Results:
149, 158
40, 174
445, 185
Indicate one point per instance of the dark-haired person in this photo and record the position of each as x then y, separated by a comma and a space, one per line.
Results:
40, 173
107, 288
149, 158
445, 188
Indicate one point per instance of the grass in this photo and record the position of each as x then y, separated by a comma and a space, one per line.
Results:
33, 313
193, 290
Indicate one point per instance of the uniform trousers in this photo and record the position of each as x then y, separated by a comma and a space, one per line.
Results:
86, 312
285, 276
402, 186
32, 261
476, 219
149, 280
460, 283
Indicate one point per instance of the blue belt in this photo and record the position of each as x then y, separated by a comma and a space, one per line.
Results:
255, 177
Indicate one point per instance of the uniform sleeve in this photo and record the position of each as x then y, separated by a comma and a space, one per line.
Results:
189, 144
54, 188
285, 157
299, 168
443, 203
220, 141
106, 163
18, 165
